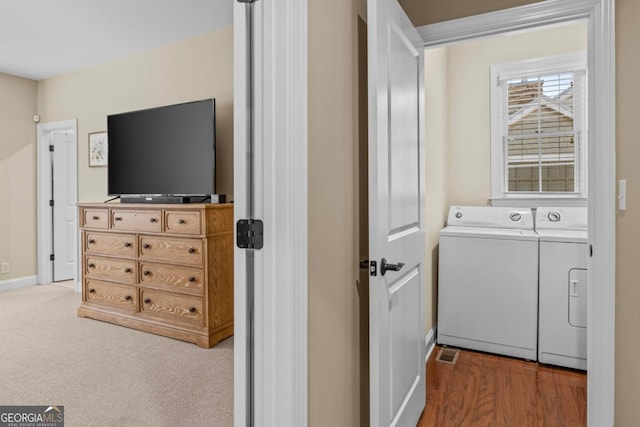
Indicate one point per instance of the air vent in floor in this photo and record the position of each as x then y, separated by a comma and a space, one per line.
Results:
448, 355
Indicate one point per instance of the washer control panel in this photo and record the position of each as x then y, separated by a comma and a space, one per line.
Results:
490, 217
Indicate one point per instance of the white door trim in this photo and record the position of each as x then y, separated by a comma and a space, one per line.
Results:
45, 271
280, 200
600, 15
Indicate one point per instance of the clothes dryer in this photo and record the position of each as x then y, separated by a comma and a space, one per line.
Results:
488, 281
562, 331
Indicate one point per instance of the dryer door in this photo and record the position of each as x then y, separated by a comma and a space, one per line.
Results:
578, 298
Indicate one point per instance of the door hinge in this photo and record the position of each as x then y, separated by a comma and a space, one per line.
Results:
373, 268
591, 251
249, 233
51, 203
51, 148
52, 257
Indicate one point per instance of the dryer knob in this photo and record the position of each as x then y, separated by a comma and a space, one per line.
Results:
458, 215
554, 216
515, 216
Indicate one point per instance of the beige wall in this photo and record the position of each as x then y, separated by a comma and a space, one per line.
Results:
334, 395
197, 68
17, 176
628, 223
436, 176
469, 115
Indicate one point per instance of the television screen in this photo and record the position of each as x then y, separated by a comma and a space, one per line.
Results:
163, 151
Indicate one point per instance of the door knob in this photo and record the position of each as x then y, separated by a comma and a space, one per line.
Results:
384, 266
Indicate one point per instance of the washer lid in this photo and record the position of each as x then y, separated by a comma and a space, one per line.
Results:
489, 233
564, 236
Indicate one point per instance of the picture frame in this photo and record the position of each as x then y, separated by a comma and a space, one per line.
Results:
98, 149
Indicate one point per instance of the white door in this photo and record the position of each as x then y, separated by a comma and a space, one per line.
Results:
396, 233
64, 204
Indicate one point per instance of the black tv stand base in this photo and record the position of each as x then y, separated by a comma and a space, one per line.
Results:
172, 200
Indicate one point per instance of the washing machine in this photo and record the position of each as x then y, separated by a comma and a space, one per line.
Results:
562, 332
488, 281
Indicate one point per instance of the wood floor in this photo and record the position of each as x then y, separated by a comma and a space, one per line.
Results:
492, 391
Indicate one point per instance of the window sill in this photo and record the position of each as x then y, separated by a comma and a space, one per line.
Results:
534, 202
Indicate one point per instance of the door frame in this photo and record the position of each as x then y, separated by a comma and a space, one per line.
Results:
44, 189
280, 389
600, 15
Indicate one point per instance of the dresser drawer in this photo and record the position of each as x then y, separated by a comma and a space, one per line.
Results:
172, 250
95, 218
112, 269
172, 307
172, 277
110, 244
122, 297
182, 222
130, 220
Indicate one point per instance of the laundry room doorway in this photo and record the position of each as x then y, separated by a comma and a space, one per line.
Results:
463, 168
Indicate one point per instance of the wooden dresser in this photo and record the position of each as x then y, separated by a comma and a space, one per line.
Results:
165, 269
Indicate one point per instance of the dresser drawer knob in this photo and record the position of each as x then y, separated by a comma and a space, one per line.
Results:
117, 218
92, 242
192, 309
127, 244
192, 279
192, 250
153, 219
92, 291
146, 272
128, 297
91, 265
147, 301
127, 270
146, 246
181, 221
95, 217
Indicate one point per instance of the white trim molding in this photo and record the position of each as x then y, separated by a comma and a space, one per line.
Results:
44, 190
430, 341
20, 282
503, 21
600, 15
280, 312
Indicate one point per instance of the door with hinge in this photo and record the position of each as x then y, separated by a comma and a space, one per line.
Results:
64, 199
396, 224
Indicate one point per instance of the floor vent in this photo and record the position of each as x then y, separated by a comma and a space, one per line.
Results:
448, 355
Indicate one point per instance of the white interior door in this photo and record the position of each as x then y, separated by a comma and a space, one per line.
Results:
396, 233
64, 210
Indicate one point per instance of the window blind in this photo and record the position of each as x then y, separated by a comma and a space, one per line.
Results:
542, 127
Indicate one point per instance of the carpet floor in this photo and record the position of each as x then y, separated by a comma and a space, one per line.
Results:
106, 375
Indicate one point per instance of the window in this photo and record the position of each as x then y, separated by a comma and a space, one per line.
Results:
539, 137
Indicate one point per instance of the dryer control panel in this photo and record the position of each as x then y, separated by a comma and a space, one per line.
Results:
573, 218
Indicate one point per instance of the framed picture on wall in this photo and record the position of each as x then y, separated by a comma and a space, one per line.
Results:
98, 149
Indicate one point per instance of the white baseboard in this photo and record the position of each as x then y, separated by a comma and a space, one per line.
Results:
430, 341
20, 282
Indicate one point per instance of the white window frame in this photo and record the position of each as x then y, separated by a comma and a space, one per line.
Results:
518, 69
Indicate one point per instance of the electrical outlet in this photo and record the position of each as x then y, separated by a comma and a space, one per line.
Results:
4, 268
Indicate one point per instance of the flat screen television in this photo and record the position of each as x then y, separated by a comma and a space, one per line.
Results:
164, 151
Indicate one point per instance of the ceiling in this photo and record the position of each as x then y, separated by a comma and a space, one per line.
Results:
44, 38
